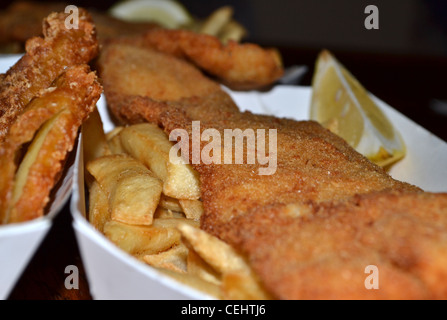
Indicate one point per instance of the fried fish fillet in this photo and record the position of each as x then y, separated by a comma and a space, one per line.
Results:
309, 229
239, 66
137, 79
55, 115
312, 163
45, 59
325, 254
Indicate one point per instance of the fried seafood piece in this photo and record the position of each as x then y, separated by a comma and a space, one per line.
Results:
306, 227
135, 77
312, 164
325, 254
306, 163
45, 59
50, 123
239, 66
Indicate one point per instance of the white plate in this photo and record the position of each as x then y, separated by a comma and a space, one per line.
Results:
114, 274
19, 241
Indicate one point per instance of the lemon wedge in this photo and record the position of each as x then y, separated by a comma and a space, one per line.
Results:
341, 104
167, 13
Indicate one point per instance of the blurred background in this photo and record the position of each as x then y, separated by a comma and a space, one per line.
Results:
406, 26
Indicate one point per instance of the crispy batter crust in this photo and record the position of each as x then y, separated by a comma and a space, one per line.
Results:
73, 95
45, 59
323, 255
310, 229
240, 66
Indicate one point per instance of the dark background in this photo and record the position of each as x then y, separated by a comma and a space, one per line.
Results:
406, 26
404, 63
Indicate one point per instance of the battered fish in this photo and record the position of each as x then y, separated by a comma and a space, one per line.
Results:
240, 66
327, 253
44, 98
55, 116
312, 163
45, 59
309, 229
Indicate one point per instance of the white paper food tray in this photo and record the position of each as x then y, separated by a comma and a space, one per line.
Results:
19, 241
114, 274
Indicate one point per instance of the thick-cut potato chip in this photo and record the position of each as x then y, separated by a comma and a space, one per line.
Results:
149, 144
135, 198
242, 286
98, 213
114, 141
141, 240
195, 282
170, 203
174, 222
238, 280
94, 147
216, 21
232, 31
172, 259
97, 147
193, 209
162, 213
133, 191
114, 132
222, 257
197, 266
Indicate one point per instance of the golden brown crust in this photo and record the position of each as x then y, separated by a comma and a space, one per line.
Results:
133, 80
73, 96
44, 60
310, 229
323, 255
239, 66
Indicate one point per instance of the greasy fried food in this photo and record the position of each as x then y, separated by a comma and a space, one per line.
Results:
172, 259
239, 66
133, 191
311, 228
56, 115
98, 212
45, 59
193, 209
150, 145
324, 255
239, 281
132, 74
313, 164
141, 240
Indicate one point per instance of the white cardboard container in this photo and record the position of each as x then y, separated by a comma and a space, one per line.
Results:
19, 241
114, 274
